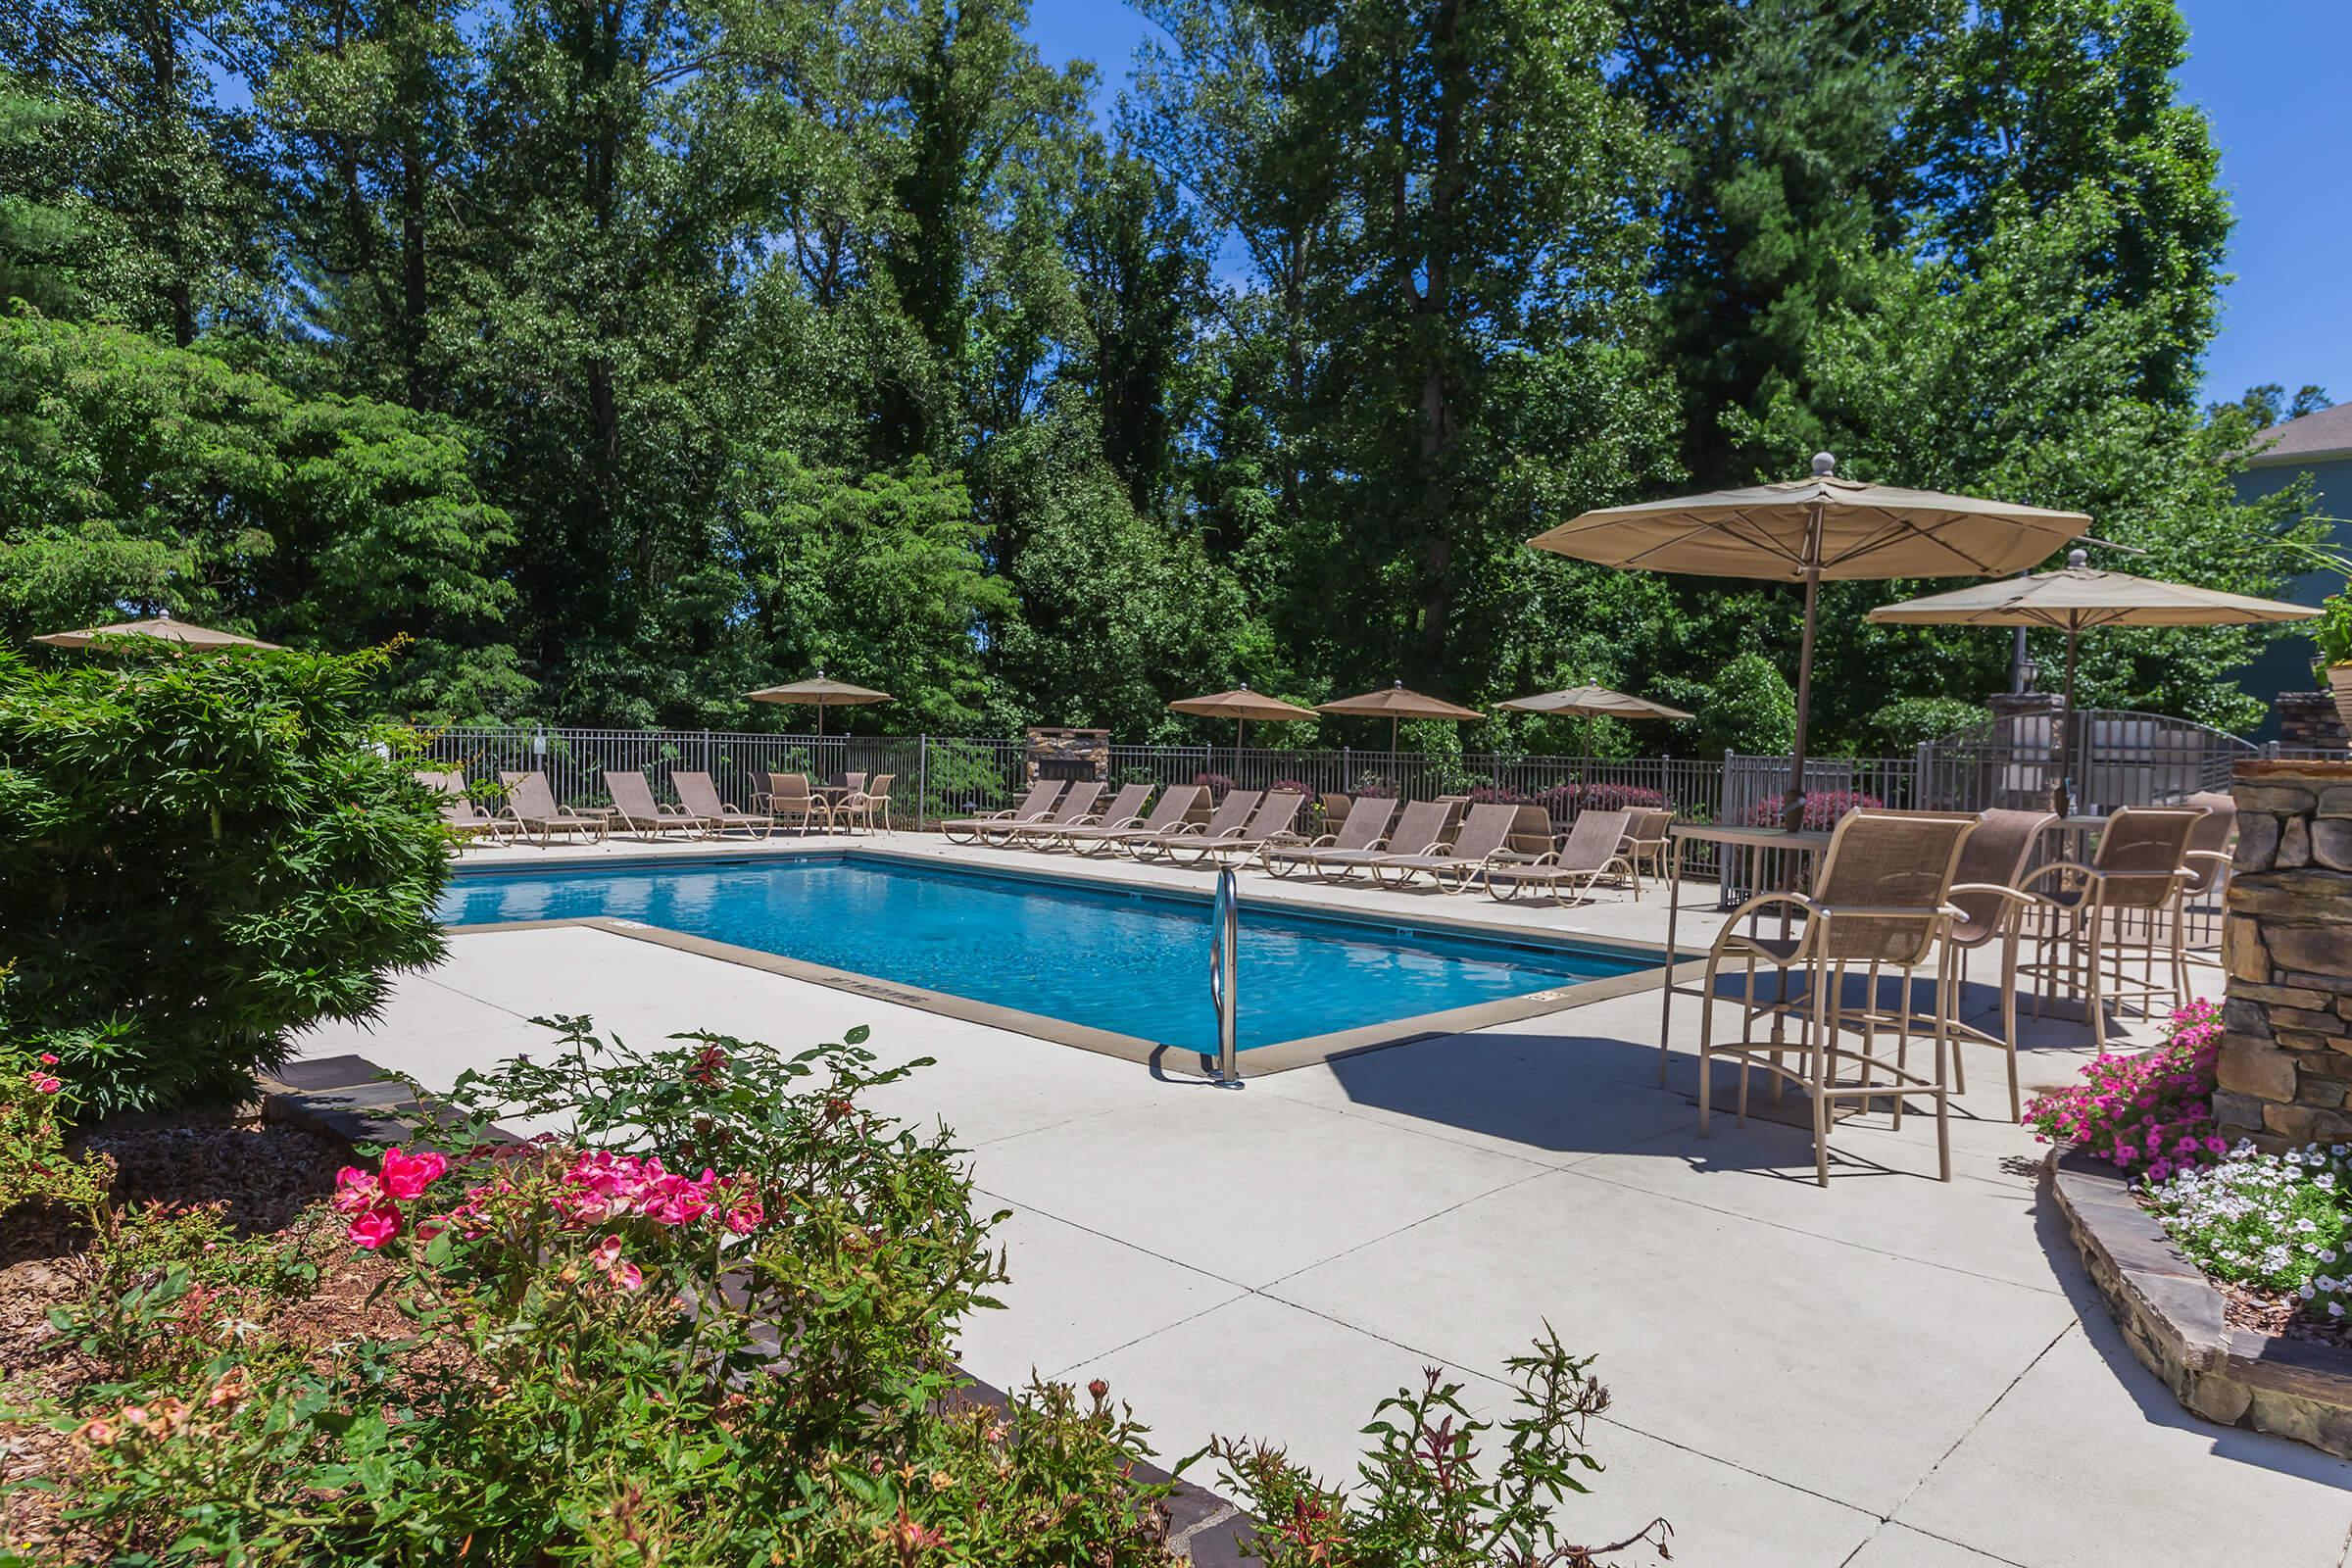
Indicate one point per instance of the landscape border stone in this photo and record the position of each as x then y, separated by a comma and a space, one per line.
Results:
2176, 1321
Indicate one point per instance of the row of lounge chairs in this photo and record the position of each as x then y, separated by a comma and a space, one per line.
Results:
527, 809
1494, 846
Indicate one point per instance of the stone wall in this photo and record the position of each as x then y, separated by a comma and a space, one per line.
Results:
2287, 945
1066, 754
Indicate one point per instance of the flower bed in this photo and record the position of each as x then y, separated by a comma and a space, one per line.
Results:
487, 1351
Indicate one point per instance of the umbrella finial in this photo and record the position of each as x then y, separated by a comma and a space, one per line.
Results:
2076, 560
1822, 464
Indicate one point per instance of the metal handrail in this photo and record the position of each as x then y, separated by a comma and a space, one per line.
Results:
1224, 948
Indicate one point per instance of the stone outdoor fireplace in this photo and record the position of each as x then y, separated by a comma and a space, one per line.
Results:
1066, 754
2287, 945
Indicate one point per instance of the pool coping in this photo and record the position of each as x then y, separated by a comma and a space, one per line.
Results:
1286, 1056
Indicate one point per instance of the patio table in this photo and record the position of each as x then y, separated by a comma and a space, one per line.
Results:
1775, 857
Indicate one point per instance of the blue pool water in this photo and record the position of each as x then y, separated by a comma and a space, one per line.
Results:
1133, 964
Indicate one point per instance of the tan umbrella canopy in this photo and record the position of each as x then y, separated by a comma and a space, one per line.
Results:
1808, 530
1396, 702
1241, 705
1593, 702
821, 694
163, 628
2079, 598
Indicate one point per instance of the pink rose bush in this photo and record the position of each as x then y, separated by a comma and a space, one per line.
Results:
2149, 1113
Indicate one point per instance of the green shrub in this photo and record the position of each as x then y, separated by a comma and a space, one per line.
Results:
201, 853
1902, 724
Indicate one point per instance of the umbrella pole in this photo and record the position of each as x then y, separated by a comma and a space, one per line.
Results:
1237, 745
2065, 734
1792, 807
1584, 771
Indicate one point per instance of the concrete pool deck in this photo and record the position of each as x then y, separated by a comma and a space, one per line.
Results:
1890, 1373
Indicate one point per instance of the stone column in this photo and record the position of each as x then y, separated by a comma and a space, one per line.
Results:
2286, 946
2308, 721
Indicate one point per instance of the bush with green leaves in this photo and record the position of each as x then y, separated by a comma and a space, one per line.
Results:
201, 853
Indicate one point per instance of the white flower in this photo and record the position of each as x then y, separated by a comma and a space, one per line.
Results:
2335, 1309
2309, 1290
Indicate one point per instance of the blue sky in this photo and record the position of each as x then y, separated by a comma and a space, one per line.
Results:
2268, 73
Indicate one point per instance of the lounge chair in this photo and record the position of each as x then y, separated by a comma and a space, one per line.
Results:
460, 813
1229, 817
1484, 839
1174, 805
701, 797
530, 806
1125, 811
1880, 901
1035, 803
1271, 824
1593, 848
1078, 809
634, 806
788, 801
1075, 808
1420, 830
1364, 827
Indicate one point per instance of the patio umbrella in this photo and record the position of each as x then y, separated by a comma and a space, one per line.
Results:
163, 628
1241, 705
2076, 600
1395, 702
1808, 530
1593, 702
821, 694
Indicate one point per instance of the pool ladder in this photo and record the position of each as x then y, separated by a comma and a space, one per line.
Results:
1224, 946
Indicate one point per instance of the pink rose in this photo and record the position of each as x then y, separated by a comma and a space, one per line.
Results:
375, 1228
48, 1058
356, 1190
45, 1084
407, 1176
745, 1218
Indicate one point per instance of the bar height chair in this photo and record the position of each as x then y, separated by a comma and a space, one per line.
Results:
2086, 916
1881, 901
1993, 910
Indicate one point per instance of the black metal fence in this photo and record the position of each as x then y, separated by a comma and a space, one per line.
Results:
2122, 759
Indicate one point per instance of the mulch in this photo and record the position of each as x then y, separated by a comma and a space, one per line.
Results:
2279, 1317
260, 1180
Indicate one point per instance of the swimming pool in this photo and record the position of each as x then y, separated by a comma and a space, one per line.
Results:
1131, 963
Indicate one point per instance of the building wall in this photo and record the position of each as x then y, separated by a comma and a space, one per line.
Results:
2284, 665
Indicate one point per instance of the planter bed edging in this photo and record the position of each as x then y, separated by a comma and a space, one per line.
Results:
2173, 1319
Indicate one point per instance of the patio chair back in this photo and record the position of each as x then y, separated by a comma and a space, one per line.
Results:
1422, 826
1078, 802
789, 791
1129, 801
1039, 799
853, 782
1175, 803
1594, 839
633, 795
2141, 853
1335, 806
697, 795
530, 796
1366, 823
1888, 864
1531, 831
2211, 834
1996, 854
1276, 815
1484, 831
1231, 814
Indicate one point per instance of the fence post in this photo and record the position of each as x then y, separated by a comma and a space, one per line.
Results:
922, 777
1920, 800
